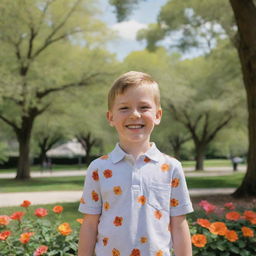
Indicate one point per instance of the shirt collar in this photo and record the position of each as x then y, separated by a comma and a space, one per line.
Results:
118, 154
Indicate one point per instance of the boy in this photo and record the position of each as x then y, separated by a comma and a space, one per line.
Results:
135, 198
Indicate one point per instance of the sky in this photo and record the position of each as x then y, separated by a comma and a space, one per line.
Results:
144, 13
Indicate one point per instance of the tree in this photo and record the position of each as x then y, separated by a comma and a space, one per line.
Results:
40, 46
191, 16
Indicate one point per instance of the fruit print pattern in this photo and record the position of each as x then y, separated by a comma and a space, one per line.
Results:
116, 252
106, 206
95, 196
146, 159
105, 241
158, 214
159, 253
143, 239
105, 157
165, 167
175, 182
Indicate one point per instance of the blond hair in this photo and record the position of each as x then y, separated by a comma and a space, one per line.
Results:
132, 79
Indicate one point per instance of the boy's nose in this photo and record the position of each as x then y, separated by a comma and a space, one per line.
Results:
135, 114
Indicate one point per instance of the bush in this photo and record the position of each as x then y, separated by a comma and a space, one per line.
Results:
223, 231
34, 233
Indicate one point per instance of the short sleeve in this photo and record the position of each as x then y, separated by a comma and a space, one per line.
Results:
91, 202
180, 200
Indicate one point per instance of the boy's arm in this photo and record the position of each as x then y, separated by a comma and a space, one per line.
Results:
88, 235
180, 236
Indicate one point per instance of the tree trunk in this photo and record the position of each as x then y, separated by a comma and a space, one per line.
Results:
199, 158
23, 136
245, 15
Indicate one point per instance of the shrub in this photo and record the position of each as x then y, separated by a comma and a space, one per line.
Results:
34, 233
223, 231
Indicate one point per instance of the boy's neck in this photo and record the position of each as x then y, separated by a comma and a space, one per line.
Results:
135, 149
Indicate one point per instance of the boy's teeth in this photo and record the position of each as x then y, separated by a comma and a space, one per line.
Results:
134, 126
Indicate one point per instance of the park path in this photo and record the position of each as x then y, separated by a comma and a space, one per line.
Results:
48, 197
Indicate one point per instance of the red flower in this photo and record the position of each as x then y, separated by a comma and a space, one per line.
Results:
233, 216
41, 250
57, 209
25, 204
41, 212
25, 237
4, 235
203, 223
17, 216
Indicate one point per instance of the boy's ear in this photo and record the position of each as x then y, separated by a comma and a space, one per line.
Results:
109, 118
159, 114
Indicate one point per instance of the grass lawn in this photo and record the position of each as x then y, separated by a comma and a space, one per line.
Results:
76, 183
210, 163
69, 214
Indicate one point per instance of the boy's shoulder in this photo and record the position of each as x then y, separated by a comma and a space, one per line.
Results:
171, 160
100, 161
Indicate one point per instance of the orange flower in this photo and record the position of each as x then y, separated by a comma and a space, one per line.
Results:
159, 253
105, 241
175, 182
106, 206
135, 252
82, 200
231, 235
115, 252
233, 216
104, 157
165, 167
142, 200
146, 159
143, 239
40, 250
199, 240
95, 196
203, 223
4, 220
118, 221
80, 220
41, 212
218, 228
57, 209
25, 204
107, 173
95, 175
174, 202
64, 229
25, 237
253, 221
117, 190
4, 235
17, 216
249, 215
158, 214
247, 232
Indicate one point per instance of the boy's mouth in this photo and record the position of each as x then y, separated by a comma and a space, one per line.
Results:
133, 126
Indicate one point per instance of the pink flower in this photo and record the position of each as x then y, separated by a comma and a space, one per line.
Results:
229, 206
40, 250
207, 206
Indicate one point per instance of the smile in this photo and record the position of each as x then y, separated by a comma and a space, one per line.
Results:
139, 126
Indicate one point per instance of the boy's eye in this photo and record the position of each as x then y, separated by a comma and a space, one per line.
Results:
123, 108
145, 107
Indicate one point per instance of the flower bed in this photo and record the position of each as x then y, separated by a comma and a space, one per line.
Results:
30, 232
223, 231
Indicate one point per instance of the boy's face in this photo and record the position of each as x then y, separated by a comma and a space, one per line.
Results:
134, 115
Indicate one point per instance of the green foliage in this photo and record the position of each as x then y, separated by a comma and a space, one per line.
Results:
223, 231
30, 229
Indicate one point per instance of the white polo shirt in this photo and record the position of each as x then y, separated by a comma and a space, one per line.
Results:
135, 200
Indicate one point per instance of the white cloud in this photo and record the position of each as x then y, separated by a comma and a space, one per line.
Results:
128, 29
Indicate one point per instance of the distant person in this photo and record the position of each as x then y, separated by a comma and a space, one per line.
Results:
235, 161
135, 199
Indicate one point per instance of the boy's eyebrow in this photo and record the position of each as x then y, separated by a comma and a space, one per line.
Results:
124, 102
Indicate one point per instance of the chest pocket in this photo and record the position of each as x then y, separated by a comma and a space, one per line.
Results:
159, 196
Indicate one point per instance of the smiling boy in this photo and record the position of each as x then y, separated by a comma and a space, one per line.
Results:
135, 198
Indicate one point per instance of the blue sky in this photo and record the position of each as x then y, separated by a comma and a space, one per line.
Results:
144, 13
